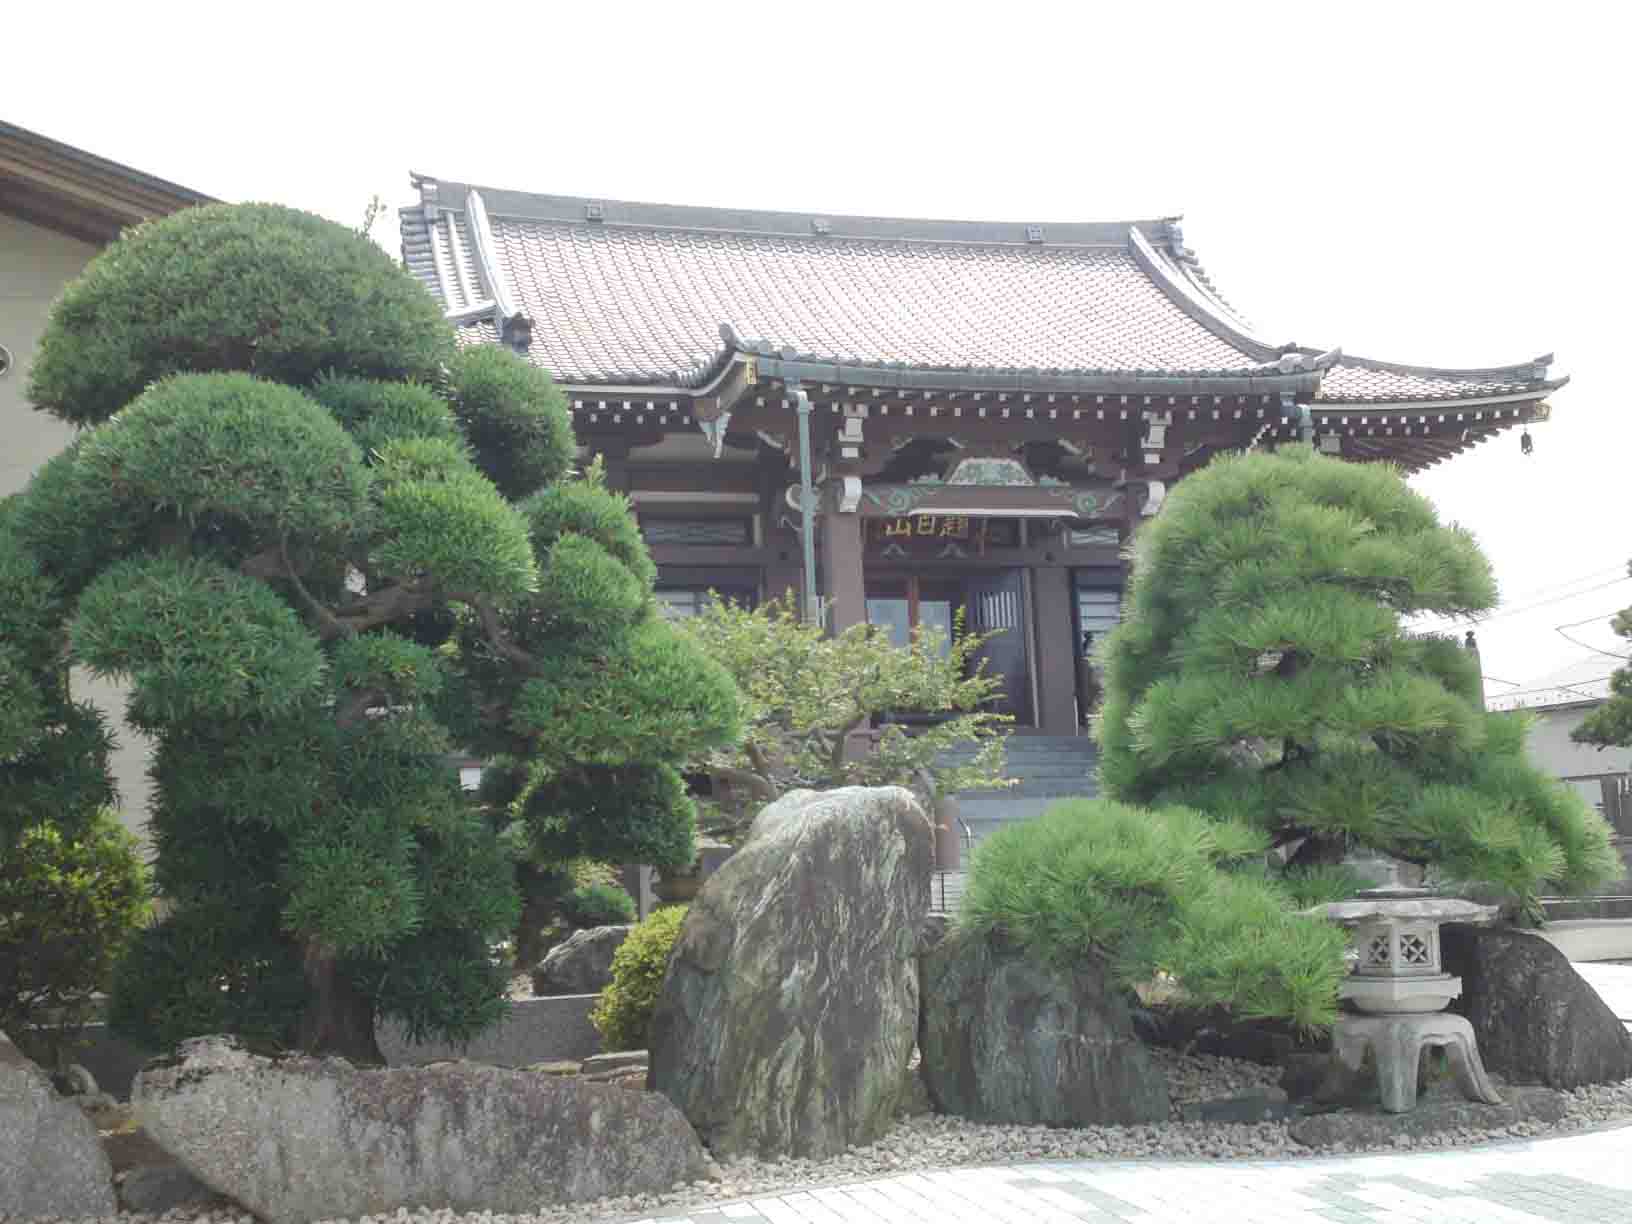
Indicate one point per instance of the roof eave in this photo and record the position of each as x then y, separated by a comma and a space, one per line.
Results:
67, 189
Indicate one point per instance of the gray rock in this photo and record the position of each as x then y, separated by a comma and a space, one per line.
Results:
914, 1094
1006, 1039
51, 1161
1432, 1116
932, 932
1269, 1105
1536, 1020
621, 1060
581, 965
156, 1189
299, 1139
1324, 1079
788, 1014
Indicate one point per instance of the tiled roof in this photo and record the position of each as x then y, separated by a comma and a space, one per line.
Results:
1355, 381
649, 295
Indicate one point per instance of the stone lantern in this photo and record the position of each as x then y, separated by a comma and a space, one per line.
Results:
1399, 988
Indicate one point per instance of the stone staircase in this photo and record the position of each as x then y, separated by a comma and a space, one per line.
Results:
1047, 768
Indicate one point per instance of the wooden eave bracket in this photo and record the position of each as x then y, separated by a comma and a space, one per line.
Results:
713, 411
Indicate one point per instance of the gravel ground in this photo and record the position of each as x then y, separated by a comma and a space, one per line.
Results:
930, 1141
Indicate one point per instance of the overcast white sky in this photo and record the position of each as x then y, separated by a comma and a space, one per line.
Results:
1430, 182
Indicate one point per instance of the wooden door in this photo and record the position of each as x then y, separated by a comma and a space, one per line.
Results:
997, 604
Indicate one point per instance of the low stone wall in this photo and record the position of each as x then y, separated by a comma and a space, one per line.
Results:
536, 1030
1591, 939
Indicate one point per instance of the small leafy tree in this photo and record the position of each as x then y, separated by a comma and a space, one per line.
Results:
805, 694
1263, 676
1610, 725
324, 548
69, 906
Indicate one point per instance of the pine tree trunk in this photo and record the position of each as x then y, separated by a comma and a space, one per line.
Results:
339, 1018
1320, 850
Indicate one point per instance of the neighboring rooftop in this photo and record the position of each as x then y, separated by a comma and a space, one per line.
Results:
57, 186
1584, 682
603, 293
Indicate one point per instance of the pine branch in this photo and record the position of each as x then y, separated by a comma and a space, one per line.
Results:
330, 625
497, 638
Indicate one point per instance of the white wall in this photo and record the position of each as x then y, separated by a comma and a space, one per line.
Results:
35, 264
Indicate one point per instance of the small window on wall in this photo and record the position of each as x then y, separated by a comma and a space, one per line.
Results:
698, 532
677, 603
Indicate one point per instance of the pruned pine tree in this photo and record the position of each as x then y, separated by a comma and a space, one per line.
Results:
1610, 725
325, 549
1264, 675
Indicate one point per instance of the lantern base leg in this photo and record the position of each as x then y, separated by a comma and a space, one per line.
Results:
1396, 1044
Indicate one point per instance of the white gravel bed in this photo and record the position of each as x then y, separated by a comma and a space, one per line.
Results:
931, 1141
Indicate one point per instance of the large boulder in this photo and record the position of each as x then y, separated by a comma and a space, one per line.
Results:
581, 965
298, 1139
51, 1161
1007, 1039
788, 1014
1535, 1019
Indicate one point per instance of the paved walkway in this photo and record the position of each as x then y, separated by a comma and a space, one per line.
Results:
1579, 1179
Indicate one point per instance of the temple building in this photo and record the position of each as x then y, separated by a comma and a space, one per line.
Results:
987, 410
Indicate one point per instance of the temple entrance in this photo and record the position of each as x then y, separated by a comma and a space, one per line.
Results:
991, 602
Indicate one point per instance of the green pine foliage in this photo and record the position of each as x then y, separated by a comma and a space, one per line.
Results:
1610, 725
1168, 891
257, 288
623, 1013
1263, 676
596, 905
293, 527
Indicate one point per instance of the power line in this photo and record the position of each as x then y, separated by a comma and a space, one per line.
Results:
1506, 613
1548, 588
1559, 629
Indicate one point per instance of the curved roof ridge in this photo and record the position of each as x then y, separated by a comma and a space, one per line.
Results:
698, 218
1201, 305
1535, 369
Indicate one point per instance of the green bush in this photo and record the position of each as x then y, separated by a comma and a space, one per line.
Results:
594, 905
1149, 892
68, 909
623, 1014
258, 288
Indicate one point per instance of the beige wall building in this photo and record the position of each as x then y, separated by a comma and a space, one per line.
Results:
58, 207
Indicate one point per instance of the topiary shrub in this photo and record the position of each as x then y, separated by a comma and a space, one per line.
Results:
259, 288
1265, 674
69, 906
1152, 892
594, 905
279, 529
623, 1013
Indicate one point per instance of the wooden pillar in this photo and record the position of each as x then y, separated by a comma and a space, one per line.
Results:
1054, 663
841, 581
